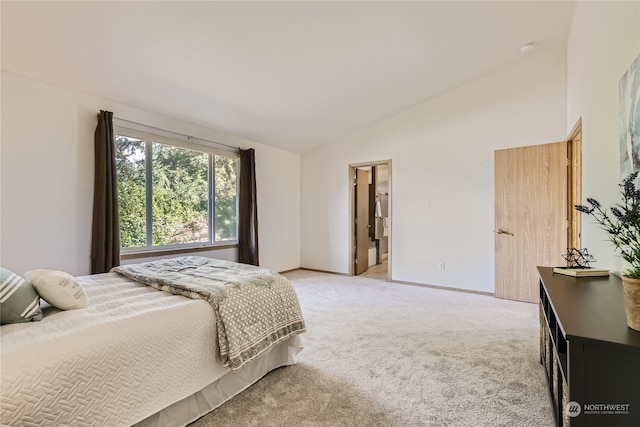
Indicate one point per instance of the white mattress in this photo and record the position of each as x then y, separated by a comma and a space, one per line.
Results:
131, 353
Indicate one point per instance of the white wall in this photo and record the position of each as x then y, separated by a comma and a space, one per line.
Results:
46, 175
442, 174
604, 41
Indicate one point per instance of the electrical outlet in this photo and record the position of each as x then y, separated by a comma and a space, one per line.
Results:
441, 265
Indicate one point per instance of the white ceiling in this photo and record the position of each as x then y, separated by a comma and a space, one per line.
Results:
294, 75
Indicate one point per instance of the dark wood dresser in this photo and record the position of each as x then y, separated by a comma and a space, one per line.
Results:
591, 356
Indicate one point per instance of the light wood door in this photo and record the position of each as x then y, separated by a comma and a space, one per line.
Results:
362, 221
530, 217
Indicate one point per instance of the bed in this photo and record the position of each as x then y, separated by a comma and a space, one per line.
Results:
142, 353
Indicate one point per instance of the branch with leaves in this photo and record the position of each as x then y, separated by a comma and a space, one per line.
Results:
621, 222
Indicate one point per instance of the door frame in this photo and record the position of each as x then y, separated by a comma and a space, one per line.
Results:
574, 183
352, 213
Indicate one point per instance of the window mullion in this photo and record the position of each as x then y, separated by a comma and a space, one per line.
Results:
237, 198
149, 191
212, 191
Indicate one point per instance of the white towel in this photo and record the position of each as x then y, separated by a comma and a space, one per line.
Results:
378, 209
385, 227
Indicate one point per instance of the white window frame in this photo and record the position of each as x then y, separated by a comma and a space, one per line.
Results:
149, 134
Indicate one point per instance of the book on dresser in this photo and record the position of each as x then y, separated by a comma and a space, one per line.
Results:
581, 272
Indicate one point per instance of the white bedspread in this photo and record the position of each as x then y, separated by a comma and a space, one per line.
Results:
75, 368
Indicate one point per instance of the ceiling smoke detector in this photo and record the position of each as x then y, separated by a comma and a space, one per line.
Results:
527, 47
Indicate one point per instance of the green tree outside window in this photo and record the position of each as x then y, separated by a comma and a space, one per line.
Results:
178, 193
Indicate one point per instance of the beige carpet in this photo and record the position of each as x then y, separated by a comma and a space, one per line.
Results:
386, 354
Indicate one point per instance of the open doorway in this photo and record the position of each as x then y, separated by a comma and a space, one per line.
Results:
370, 235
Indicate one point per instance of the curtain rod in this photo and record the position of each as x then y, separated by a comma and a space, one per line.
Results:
189, 137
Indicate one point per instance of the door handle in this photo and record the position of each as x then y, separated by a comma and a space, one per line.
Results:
501, 231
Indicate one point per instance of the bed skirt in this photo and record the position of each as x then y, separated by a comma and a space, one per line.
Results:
224, 388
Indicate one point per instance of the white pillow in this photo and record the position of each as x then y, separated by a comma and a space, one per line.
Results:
58, 288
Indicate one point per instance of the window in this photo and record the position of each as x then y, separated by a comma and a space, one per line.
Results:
173, 193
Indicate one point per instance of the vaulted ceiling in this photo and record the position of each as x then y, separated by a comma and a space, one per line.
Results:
295, 75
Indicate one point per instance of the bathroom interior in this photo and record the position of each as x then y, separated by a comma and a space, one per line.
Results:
379, 223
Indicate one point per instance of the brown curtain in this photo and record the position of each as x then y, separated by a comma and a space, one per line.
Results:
248, 207
105, 237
